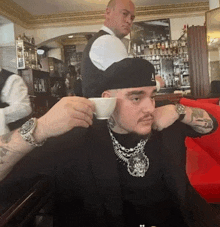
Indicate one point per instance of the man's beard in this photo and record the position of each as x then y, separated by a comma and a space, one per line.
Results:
138, 137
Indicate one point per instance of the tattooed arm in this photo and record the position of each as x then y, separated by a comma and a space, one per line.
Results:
12, 149
68, 113
198, 119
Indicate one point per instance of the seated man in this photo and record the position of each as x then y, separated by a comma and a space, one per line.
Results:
127, 171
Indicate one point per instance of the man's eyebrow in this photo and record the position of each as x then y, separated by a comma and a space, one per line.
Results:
135, 93
125, 10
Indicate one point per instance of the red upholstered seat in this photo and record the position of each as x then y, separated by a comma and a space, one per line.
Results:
211, 100
203, 172
203, 156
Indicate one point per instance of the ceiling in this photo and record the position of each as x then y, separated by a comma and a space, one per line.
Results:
32, 14
42, 7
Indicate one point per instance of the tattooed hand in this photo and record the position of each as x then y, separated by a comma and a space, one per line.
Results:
197, 118
201, 121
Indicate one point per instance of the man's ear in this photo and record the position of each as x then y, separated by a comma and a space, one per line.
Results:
107, 11
106, 94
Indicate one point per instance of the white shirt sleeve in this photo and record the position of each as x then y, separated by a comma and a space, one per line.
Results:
15, 93
106, 50
157, 85
3, 126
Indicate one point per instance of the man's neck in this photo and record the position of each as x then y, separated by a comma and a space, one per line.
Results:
112, 31
116, 128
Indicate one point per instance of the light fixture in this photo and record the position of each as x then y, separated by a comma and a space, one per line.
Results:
40, 51
70, 36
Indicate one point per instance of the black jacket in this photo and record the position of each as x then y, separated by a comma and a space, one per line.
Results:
83, 166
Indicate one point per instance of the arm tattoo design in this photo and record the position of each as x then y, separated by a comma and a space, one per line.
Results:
111, 122
196, 113
201, 124
7, 137
3, 153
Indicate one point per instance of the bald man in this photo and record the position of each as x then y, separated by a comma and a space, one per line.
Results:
106, 47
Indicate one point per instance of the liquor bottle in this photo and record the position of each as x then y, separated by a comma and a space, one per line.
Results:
180, 51
154, 48
147, 50
158, 47
166, 44
33, 40
167, 47
171, 44
138, 50
166, 81
169, 81
162, 48
135, 49
175, 48
151, 47
170, 49
184, 29
142, 48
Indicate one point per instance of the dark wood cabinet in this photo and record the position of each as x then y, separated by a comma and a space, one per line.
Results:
38, 82
40, 91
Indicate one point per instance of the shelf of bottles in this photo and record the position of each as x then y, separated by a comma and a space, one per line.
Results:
26, 53
174, 50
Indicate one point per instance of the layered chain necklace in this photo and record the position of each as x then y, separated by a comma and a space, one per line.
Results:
137, 161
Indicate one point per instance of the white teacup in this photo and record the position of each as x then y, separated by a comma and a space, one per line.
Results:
104, 107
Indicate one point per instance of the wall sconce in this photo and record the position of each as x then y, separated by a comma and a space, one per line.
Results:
40, 51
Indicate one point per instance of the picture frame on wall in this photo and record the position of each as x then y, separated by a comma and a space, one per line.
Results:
38, 82
70, 54
144, 33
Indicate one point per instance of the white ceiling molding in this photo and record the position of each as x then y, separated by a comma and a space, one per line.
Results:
18, 15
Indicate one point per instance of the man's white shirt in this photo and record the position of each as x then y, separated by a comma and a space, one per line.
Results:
108, 49
15, 93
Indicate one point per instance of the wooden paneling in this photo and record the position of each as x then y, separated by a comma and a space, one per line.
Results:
198, 61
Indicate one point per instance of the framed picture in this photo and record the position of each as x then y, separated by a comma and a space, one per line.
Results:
37, 82
145, 32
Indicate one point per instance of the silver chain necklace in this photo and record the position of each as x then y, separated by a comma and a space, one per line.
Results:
137, 161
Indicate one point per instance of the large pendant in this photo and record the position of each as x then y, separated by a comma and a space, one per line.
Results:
138, 165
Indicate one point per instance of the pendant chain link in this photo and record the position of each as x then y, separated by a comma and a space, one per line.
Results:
124, 153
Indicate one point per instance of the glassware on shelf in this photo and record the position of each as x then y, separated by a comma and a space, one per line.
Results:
26, 53
155, 51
